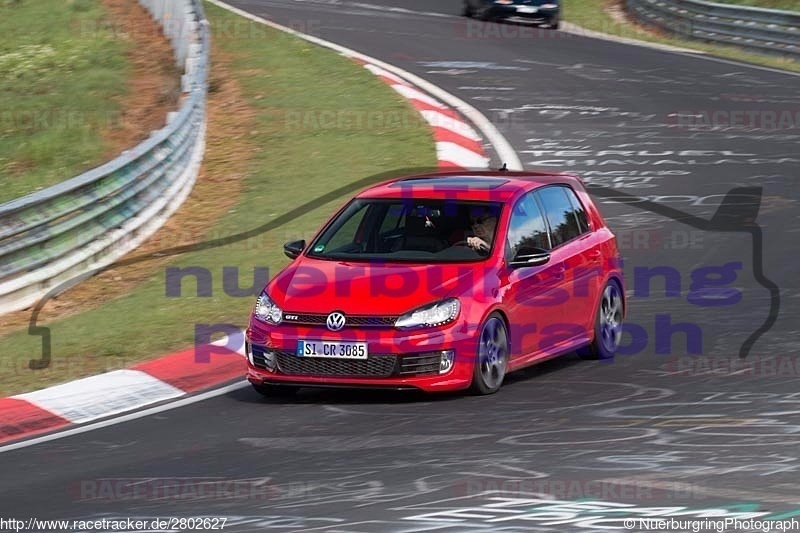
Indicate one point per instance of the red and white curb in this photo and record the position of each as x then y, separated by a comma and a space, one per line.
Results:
397, 76
93, 398
458, 145
86, 401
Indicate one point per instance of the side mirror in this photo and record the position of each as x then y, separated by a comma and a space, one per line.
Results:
293, 249
528, 256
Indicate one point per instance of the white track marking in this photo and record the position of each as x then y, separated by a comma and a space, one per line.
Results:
568, 27
398, 10
503, 148
699, 54
574, 29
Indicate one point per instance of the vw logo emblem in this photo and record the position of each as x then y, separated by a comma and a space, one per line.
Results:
335, 321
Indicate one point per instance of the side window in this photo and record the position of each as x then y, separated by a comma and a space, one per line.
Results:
580, 212
347, 234
560, 214
527, 226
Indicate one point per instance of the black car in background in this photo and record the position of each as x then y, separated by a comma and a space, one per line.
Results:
542, 12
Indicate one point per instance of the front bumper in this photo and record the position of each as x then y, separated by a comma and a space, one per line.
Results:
397, 359
511, 13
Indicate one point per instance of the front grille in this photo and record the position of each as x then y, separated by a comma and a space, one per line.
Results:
315, 319
375, 366
420, 364
371, 320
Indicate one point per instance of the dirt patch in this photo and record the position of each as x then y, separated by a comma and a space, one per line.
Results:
154, 84
616, 10
227, 158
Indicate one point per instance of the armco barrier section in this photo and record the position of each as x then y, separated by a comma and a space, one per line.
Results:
53, 236
765, 31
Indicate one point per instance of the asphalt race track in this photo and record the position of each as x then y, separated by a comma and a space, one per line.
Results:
680, 420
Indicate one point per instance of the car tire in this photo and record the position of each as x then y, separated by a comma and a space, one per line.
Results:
493, 352
554, 25
467, 11
275, 391
607, 324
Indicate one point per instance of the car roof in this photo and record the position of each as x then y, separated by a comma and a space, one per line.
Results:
498, 186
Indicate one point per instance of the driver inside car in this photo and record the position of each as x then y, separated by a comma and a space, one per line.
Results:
482, 226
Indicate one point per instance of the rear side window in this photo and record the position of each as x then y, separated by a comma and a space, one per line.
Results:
394, 218
580, 212
561, 214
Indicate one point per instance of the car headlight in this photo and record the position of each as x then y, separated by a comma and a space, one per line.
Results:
267, 311
435, 314
549, 6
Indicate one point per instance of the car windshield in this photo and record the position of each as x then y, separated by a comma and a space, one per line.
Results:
410, 230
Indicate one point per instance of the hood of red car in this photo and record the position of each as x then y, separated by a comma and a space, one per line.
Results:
315, 286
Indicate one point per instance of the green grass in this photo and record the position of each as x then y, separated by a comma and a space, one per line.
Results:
283, 78
59, 76
786, 5
592, 15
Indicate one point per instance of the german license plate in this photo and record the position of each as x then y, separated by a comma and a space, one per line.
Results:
527, 9
332, 349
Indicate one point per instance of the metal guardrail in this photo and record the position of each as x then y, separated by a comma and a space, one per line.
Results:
765, 31
56, 234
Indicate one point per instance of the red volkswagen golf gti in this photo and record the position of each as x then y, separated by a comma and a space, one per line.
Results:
441, 282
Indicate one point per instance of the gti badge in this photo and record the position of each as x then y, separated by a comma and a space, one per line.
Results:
335, 321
